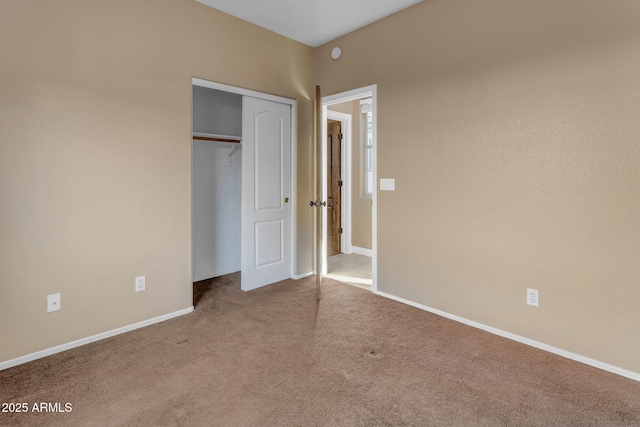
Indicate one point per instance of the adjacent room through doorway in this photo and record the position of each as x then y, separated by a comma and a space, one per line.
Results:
349, 171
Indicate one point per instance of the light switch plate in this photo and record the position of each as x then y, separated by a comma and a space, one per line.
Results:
387, 184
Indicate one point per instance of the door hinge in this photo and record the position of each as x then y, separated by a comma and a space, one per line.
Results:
339, 183
340, 230
339, 136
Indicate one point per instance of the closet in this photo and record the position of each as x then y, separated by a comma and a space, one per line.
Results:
242, 175
216, 174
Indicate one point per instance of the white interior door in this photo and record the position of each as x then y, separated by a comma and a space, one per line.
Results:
266, 192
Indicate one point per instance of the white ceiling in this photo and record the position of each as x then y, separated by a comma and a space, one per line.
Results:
312, 22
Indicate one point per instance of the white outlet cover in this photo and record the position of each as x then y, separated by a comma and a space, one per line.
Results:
53, 302
532, 297
141, 283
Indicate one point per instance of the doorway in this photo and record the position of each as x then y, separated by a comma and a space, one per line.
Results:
349, 168
243, 184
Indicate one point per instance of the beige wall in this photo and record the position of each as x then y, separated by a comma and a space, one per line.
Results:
360, 205
511, 128
95, 155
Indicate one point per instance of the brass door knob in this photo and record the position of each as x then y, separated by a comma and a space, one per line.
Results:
286, 200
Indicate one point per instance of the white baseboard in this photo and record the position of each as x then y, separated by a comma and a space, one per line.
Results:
362, 251
301, 276
77, 343
569, 355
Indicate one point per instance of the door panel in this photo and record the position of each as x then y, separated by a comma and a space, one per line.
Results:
269, 237
268, 161
266, 182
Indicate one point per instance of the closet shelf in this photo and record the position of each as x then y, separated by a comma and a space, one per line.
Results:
217, 138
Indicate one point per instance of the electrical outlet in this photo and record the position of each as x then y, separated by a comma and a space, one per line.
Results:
141, 283
53, 302
532, 297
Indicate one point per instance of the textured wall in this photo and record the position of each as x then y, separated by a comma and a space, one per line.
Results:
511, 128
95, 155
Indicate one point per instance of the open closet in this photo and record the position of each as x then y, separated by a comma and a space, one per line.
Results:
217, 169
242, 184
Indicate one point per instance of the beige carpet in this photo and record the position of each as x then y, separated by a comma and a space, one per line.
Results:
272, 357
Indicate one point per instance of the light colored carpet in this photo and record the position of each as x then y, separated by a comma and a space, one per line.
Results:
274, 357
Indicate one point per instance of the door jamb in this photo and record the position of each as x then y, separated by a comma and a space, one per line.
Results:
364, 92
294, 172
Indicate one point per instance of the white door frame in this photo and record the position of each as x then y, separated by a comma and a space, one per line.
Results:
346, 177
364, 92
294, 172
